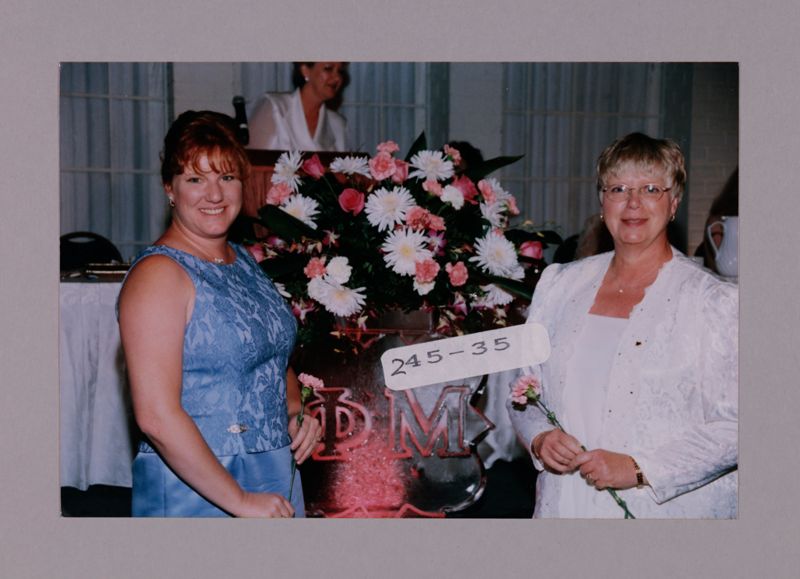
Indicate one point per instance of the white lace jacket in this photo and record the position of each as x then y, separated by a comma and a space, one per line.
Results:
673, 387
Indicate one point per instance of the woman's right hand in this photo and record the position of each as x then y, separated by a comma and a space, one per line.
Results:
270, 505
556, 449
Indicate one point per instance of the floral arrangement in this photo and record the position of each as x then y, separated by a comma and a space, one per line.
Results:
349, 241
527, 389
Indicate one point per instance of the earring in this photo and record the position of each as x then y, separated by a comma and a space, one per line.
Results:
172, 202
601, 217
305, 78
672, 218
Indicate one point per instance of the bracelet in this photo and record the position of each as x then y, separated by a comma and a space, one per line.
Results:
533, 448
639, 475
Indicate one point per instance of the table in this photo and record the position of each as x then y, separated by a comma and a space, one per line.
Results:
96, 444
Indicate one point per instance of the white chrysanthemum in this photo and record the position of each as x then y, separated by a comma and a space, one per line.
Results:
499, 192
404, 248
282, 289
385, 208
495, 213
303, 208
453, 196
338, 270
431, 165
286, 169
423, 288
494, 297
336, 298
350, 166
496, 254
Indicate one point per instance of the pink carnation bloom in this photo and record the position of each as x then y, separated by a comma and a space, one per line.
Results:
467, 188
417, 217
524, 385
532, 249
277, 194
487, 191
388, 147
314, 167
426, 270
352, 201
315, 267
453, 153
435, 222
457, 273
311, 381
433, 187
401, 171
382, 166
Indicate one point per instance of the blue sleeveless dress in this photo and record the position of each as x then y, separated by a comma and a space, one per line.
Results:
235, 355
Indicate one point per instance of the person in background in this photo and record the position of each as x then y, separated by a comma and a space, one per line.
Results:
643, 370
207, 340
306, 119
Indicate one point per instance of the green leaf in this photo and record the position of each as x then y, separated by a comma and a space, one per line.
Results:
479, 171
419, 145
286, 226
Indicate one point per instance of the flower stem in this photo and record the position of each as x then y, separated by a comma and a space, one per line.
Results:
551, 417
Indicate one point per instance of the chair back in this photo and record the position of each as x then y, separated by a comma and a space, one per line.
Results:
80, 248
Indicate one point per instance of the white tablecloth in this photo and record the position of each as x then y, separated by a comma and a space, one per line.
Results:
95, 443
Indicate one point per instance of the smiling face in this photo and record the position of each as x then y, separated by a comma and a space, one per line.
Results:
635, 221
207, 197
325, 79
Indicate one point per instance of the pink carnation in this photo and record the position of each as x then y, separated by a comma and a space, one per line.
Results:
401, 171
417, 217
388, 147
426, 271
315, 268
435, 222
457, 273
523, 386
433, 187
352, 201
487, 191
277, 194
310, 381
382, 166
314, 167
467, 188
532, 249
453, 153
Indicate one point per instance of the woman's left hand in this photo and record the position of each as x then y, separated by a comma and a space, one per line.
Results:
305, 438
605, 469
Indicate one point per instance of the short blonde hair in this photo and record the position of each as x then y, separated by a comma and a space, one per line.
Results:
643, 152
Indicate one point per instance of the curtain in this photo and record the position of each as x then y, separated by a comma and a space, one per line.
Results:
113, 117
561, 116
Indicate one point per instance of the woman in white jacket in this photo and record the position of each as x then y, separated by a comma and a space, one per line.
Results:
303, 120
644, 363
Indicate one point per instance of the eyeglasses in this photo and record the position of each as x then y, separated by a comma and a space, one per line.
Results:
623, 192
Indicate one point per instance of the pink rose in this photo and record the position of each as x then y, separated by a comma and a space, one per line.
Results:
467, 188
433, 187
457, 272
314, 268
277, 194
388, 147
352, 201
401, 171
257, 251
532, 249
314, 167
382, 166
487, 191
453, 153
426, 270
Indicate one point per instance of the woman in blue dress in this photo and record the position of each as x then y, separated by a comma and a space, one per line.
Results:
207, 339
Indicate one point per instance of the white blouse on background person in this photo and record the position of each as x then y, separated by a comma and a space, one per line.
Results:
278, 122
